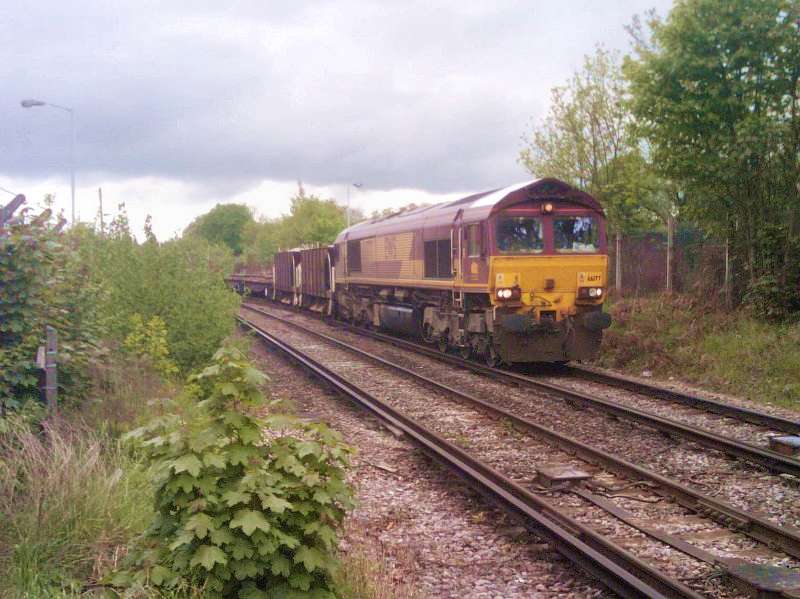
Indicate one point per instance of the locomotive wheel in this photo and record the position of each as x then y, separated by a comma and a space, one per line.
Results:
465, 351
491, 357
442, 344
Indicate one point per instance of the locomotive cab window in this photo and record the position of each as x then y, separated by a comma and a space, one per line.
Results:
474, 248
576, 234
354, 256
438, 260
520, 235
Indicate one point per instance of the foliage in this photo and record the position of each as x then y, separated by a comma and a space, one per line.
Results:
70, 500
587, 140
246, 506
43, 283
311, 220
676, 335
180, 281
225, 225
150, 341
716, 91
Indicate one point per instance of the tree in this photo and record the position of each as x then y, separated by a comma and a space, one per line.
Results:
587, 140
715, 92
224, 225
311, 220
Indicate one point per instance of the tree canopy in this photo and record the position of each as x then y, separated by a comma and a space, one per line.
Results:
587, 140
715, 93
311, 220
225, 225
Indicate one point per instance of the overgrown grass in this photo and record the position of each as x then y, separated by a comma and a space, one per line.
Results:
680, 336
71, 497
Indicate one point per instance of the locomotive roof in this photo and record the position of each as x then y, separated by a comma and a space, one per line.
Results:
474, 208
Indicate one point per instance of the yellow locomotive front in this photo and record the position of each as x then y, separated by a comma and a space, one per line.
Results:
547, 281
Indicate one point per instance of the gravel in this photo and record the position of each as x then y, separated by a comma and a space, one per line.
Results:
439, 538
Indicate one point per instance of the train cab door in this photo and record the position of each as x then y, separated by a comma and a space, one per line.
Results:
473, 257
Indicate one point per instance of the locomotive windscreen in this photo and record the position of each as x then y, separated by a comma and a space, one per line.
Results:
576, 234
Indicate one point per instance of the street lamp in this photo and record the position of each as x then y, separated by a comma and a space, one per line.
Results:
30, 103
357, 186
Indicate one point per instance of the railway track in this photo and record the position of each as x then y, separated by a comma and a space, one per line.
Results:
772, 460
710, 508
769, 421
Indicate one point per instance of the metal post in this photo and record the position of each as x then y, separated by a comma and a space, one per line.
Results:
727, 283
51, 371
618, 264
72, 160
670, 224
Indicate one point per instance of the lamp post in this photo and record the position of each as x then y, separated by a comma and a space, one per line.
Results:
357, 186
32, 104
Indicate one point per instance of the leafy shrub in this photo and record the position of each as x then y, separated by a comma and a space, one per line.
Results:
150, 341
247, 506
43, 282
180, 281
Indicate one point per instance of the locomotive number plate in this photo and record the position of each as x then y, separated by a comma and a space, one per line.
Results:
590, 278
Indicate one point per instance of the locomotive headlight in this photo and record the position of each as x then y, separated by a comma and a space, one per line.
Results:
506, 294
590, 292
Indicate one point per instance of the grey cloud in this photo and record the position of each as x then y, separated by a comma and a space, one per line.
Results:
432, 95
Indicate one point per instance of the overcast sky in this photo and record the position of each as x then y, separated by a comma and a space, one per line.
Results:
180, 105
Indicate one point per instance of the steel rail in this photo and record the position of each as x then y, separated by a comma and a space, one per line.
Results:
786, 538
709, 405
603, 560
772, 460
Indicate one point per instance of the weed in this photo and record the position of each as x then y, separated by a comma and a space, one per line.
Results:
367, 571
70, 499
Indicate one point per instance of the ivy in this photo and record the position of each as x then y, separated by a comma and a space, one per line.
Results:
247, 506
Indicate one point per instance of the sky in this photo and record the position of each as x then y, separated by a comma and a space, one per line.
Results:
181, 105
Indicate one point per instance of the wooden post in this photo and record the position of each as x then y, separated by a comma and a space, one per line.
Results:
670, 225
51, 371
618, 265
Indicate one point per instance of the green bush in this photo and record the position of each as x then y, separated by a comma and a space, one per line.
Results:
181, 282
246, 506
43, 282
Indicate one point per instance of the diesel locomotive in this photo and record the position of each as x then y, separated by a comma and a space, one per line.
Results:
511, 275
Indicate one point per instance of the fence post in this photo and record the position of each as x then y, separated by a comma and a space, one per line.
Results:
670, 225
618, 264
51, 370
